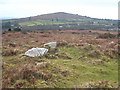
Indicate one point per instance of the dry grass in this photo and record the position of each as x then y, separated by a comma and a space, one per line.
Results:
74, 49
32, 39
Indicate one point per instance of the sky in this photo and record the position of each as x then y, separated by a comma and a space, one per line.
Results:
104, 9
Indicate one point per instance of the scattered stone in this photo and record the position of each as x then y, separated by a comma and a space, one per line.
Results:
52, 45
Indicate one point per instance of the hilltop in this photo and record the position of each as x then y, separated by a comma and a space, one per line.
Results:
59, 15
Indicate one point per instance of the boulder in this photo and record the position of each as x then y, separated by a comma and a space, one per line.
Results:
34, 52
52, 45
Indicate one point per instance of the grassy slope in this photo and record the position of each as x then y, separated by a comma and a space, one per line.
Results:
79, 71
65, 21
44, 22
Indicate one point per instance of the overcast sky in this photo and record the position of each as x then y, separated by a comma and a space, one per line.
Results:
105, 9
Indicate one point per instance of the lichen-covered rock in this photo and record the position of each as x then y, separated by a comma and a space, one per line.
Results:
52, 45
36, 52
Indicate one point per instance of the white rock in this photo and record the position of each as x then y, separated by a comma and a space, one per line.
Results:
99, 45
112, 42
51, 44
34, 52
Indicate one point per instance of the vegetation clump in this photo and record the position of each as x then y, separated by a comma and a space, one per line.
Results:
62, 55
17, 29
62, 44
99, 84
10, 52
112, 53
13, 44
27, 74
107, 35
95, 54
88, 47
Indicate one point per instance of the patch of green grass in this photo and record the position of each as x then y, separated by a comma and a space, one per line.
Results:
68, 73
73, 51
46, 22
84, 72
40, 22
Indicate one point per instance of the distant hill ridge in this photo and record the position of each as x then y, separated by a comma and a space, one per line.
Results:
61, 15
53, 21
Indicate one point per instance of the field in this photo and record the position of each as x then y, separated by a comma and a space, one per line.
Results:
82, 59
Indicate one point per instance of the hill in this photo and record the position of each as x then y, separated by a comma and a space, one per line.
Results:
59, 15
61, 20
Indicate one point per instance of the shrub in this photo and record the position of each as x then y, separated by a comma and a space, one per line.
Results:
87, 48
20, 83
17, 29
112, 53
106, 35
10, 52
95, 54
9, 29
61, 44
62, 55
98, 85
3, 32
118, 35
23, 32
12, 44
